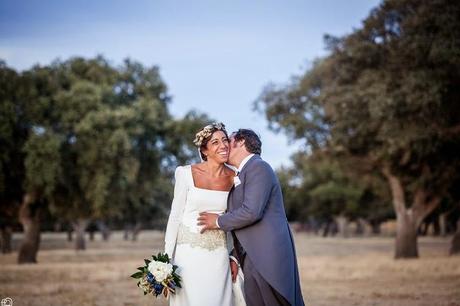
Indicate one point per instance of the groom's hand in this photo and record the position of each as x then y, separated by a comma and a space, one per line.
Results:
208, 221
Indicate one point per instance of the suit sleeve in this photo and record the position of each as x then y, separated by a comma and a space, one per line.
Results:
258, 185
177, 211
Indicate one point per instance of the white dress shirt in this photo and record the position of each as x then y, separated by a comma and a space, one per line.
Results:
244, 161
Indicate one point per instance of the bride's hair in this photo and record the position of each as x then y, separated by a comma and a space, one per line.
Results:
204, 135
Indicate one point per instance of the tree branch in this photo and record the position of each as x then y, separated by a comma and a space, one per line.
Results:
425, 209
397, 190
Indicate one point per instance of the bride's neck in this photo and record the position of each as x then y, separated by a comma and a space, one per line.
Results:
214, 169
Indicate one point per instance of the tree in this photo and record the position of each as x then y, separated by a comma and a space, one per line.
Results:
87, 141
93, 139
42, 165
13, 133
114, 123
386, 94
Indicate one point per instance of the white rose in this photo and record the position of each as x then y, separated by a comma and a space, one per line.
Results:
160, 270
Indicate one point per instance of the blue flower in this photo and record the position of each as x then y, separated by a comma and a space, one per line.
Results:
158, 288
150, 278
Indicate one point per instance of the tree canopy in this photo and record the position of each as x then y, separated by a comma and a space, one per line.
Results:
91, 140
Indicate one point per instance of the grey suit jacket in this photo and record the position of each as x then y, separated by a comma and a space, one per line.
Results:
256, 216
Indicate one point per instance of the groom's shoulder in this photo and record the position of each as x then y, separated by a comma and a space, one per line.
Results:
258, 162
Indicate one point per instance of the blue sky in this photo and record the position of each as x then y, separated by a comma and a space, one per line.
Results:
215, 56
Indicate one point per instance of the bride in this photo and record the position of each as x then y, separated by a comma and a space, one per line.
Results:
202, 258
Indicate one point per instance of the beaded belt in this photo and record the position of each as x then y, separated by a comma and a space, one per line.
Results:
209, 240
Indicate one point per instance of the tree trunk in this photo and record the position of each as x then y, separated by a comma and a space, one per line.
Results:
327, 228
126, 232
57, 227
29, 216
443, 224
5, 239
136, 230
423, 229
408, 220
104, 229
363, 227
359, 227
455, 244
79, 227
436, 227
406, 236
342, 223
375, 228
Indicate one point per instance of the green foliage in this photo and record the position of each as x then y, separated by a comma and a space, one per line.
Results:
43, 161
95, 140
386, 95
13, 133
181, 134
321, 186
163, 257
137, 275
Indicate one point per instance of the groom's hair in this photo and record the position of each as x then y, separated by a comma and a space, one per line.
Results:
251, 140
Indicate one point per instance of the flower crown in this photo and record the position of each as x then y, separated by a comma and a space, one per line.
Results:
207, 132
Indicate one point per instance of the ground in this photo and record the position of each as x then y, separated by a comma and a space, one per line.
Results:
334, 271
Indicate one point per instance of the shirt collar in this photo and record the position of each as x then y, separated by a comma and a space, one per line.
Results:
244, 161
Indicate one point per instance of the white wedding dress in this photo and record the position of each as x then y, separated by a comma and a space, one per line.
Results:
202, 258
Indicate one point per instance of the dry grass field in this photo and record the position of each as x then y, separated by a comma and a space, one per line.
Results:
334, 271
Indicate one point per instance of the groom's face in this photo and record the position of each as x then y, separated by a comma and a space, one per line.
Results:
235, 148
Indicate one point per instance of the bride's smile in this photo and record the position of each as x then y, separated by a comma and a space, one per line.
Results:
217, 148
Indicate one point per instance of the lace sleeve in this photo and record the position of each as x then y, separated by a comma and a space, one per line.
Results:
177, 210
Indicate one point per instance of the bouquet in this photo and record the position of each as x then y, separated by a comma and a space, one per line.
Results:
158, 276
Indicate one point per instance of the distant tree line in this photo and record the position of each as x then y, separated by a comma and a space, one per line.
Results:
379, 118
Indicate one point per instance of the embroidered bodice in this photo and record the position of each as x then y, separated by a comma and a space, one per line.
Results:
188, 202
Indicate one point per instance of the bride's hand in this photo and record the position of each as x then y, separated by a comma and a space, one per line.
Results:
233, 269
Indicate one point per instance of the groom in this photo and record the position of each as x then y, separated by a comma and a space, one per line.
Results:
257, 220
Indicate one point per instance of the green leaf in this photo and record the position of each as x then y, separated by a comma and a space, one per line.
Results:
137, 275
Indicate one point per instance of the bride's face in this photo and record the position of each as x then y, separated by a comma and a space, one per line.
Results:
217, 147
